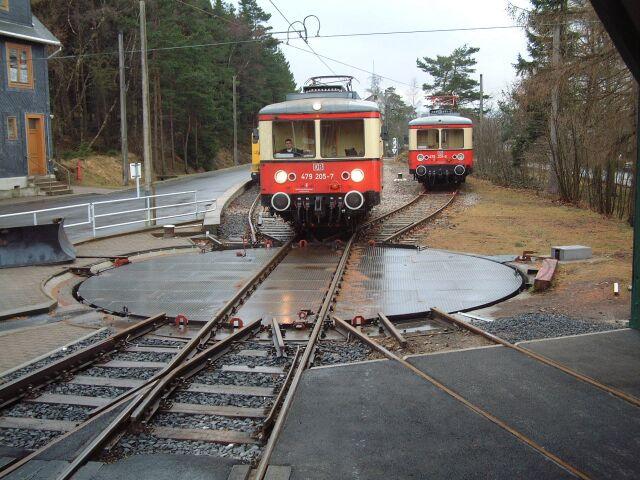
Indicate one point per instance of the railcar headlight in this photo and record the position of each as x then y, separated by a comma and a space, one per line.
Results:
280, 176
292, 177
357, 175
461, 156
420, 157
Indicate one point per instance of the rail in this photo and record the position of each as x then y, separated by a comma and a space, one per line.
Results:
65, 170
94, 214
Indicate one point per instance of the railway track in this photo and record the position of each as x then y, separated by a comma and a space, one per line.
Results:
266, 226
237, 384
234, 383
54, 399
396, 226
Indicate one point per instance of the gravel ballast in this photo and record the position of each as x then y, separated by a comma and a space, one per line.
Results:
85, 390
49, 411
234, 378
143, 356
27, 439
184, 420
143, 444
331, 352
137, 373
532, 326
222, 399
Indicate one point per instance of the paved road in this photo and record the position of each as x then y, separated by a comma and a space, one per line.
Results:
209, 186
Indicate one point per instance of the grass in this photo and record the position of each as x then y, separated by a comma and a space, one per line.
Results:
488, 219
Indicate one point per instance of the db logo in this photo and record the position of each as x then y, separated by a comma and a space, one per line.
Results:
318, 167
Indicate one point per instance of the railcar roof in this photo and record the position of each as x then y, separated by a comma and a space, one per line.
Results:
441, 119
329, 105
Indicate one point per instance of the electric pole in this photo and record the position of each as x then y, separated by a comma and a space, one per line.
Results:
123, 114
481, 99
146, 124
235, 121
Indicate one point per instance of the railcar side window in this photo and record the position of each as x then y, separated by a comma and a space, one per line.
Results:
294, 139
428, 139
341, 138
452, 138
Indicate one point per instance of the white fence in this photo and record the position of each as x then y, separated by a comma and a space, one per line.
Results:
100, 217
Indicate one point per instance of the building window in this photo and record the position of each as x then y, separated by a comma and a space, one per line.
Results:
4, 5
19, 65
12, 128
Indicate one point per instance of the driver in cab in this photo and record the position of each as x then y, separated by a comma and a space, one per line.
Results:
290, 149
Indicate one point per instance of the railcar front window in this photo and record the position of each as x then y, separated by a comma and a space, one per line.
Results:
294, 139
452, 138
341, 138
428, 139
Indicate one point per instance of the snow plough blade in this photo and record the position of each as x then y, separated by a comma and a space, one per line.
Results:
35, 245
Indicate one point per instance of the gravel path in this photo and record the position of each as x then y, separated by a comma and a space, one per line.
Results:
531, 326
55, 356
330, 352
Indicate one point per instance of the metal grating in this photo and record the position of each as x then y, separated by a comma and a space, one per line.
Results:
400, 281
193, 284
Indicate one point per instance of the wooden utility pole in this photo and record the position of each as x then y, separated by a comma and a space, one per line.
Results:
123, 114
146, 124
555, 107
481, 99
235, 121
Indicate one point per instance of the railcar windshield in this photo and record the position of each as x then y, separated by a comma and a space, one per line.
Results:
294, 139
452, 138
428, 139
342, 138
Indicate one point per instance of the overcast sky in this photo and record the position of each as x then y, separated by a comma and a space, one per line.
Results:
395, 55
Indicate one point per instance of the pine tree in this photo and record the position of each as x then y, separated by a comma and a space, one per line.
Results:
451, 74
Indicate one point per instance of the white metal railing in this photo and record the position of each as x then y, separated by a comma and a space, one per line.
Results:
151, 213
34, 214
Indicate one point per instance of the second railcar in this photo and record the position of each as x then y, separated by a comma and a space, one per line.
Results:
441, 148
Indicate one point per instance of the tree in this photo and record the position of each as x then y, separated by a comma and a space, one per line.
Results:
397, 114
451, 75
194, 50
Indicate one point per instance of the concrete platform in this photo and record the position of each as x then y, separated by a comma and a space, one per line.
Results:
377, 420
611, 357
193, 284
403, 282
595, 432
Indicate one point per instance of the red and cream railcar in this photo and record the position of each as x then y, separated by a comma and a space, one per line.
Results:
441, 148
321, 157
